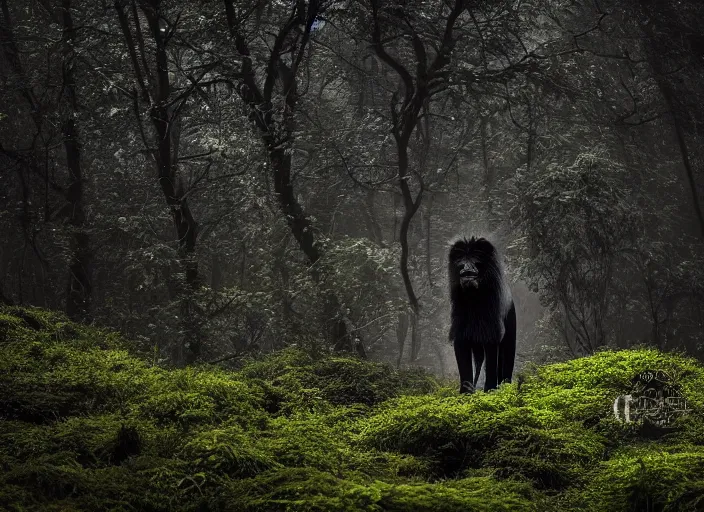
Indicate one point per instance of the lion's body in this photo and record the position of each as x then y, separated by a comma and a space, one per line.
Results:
483, 317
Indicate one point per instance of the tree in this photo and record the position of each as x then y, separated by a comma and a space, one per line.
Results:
79, 281
579, 224
416, 91
78, 288
272, 113
166, 104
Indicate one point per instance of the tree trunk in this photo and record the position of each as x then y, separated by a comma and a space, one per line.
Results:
410, 209
676, 111
401, 333
278, 138
79, 280
163, 121
37, 163
684, 152
172, 188
417, 91
302, 230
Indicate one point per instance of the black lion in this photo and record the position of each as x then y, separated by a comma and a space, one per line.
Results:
483, 318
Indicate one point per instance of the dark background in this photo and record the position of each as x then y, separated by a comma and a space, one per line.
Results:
220, 178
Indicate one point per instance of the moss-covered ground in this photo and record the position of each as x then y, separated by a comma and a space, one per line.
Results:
87, 425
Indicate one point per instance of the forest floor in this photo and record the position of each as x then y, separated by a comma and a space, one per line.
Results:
86, 424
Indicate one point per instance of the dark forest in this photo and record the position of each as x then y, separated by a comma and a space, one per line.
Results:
224, 239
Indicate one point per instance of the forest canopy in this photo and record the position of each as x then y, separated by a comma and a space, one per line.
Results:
222, 178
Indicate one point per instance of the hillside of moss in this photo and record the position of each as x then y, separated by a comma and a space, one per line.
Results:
86, 424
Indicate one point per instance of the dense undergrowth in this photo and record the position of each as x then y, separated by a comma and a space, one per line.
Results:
87, 425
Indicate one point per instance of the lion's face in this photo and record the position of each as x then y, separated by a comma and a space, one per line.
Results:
468, 270
470, 260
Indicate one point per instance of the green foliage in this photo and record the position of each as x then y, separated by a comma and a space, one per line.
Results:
574, 384
486, 431
577, 219
189, 395
302, 381
227, 450
649, 477
94, 427
364, 276
312, 490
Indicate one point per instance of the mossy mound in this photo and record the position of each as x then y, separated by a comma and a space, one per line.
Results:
88, 424
310, 490
299, 380
649, 477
